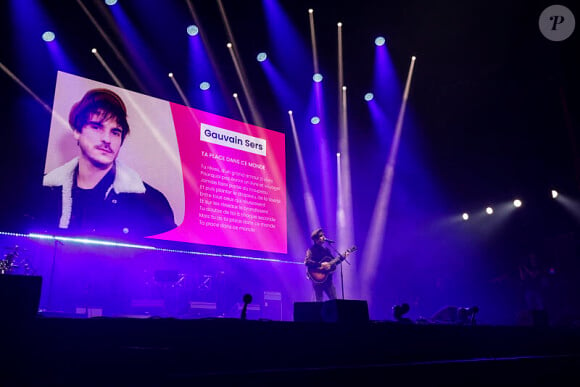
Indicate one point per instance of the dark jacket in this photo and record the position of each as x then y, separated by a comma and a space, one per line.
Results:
317, 254
121, 205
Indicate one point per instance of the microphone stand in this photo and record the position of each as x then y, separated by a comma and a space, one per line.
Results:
52, 269
341, 272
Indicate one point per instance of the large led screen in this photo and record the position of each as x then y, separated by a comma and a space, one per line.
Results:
206, 179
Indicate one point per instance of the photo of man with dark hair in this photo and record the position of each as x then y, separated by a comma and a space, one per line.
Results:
95, 193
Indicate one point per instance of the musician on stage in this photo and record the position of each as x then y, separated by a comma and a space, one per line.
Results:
317, 257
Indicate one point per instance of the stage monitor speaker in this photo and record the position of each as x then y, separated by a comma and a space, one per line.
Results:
341, 311
19, 296
345, 311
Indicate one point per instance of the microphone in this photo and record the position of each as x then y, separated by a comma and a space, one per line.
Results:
247, 299
328, 240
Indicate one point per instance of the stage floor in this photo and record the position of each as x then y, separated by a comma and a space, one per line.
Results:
128, 351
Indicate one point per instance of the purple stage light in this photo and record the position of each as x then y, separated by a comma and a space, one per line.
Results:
192, 30
48, 36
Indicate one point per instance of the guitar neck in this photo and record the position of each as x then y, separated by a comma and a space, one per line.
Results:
338, 259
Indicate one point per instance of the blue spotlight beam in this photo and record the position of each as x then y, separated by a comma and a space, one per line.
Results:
311, 212
344, 218
207, 49
313, 41
117, 52
380, 214
107, 68
245, 87
179, 89
26, 88
239, 68
240, 109
340, 64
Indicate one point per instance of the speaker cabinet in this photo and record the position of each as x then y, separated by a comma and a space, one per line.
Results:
345, 311
19, 296
342, 311
308, 311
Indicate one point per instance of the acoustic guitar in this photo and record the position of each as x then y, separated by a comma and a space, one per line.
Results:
319, 275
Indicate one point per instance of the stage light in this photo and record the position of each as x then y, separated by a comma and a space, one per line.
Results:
204, 85
317, 77
262, 57
110, 2
314, 120
192, 30
369, 97
48, 36
517, 203
235, 95
489, 210
554, 194
337, 154
94, 50
467, 315
380, 41
310, 10
399, 311
290, 112
465, 216
170, 75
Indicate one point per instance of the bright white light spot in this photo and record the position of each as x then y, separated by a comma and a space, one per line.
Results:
344, 88
94, 50
48, 36
229, 45
554, 194
192, 30
310, 10
517, 203
262, 57
369, 97
110, 2
315, 120
489, 210
290, 112
413, 57
317, 77
465, 216
204, 85
170, 75
339, 24
380, 41
337, 154
235, 95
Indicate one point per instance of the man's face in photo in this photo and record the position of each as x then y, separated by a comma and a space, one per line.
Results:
100, 140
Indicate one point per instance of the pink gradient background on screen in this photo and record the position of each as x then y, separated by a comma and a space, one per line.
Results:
187, 125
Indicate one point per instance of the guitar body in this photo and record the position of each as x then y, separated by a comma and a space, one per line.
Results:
321, 275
